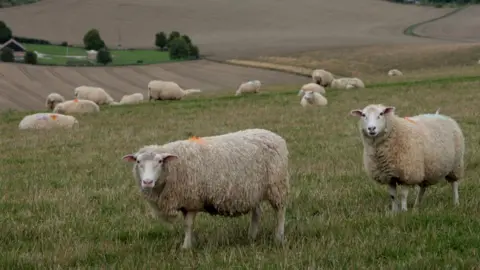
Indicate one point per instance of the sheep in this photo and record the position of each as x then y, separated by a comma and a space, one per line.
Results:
167, 90
395, 72
48, 121
343, 83
77, 106
249, 87
130, 99
95, 94
53, 99
313, 99
419, 150
311, 87
227, 175
322, 77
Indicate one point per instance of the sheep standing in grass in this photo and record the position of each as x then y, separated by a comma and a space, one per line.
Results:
311, 87
249, 87
53, 99
77, 106
347, 83
419, 150
313, 99
95, 94
227, 175
167, 90
322, 77
131, 99
395, 72
47, 121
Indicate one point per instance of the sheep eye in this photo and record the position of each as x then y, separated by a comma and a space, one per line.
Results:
381, 113
138, 162
363, 115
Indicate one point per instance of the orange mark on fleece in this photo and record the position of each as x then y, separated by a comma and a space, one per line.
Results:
196, 139
75, 100
54, 116
409, 120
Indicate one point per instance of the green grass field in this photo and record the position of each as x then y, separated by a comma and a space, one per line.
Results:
69, 201
120, 57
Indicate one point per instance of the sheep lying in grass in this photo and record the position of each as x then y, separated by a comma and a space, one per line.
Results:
249, 87
95, 94
311, 87
167, 90
77, 106
313, 99
47, 121
130, 99
419, 150
395, 72
53, 99
227, 175
347, 83
322, 77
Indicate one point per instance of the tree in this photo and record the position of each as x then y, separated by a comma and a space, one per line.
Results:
161, 40
30, 58
104, 56
187, 39
193, 51
173, 35
93, 41
178, 48
6, 55
5, 32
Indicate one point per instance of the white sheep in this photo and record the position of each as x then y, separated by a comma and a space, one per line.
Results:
95, 94
77, 106
227, 175
343, 83
311, 87
53, 99
130, 99
395, 72
313, 99
322, 77
419, 150
249, 87
48, 121
167, 90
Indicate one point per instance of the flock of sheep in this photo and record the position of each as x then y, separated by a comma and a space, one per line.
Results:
232, 174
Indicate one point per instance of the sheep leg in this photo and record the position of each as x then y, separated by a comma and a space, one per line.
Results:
455, 192
254, 223
392, 190
421, 192
279, 235
403, 197
189, 219
453, 178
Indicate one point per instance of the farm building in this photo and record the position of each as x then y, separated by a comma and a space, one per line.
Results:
18, 49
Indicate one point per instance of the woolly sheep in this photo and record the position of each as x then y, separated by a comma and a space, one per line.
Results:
53, 99
322, 77
395, 72
227, 175
343, 83
419, 150
249, 87
313, 99
167, 90
47, 121
311, 87
130, 99
77, 106
95, 94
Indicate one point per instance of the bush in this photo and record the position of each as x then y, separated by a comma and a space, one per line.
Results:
32, 40
7, 55
64, 44
173, 35
187, 39
178, 49
5, 32
194, 52
93, 41
104, 56
161, 40
30, 58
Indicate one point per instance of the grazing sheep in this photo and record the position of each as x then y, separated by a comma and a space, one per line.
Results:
131, 99
77, 106
53, 99
419, 150
322, 77
95, 94
47, 121
167, 90
313, 99
343, 83
395, 72
311, 87
226, 175
249, 87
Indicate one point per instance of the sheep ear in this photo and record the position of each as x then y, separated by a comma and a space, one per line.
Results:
129, 158
388, 110
356, 113
166, 157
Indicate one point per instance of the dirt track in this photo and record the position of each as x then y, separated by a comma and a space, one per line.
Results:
222, 29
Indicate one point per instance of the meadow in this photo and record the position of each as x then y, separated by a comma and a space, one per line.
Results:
69, 201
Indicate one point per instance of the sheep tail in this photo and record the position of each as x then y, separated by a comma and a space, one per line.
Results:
438, 111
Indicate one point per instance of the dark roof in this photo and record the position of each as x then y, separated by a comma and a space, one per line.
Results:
14, 45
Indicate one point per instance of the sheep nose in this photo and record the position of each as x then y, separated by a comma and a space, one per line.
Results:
372, 128
147, 182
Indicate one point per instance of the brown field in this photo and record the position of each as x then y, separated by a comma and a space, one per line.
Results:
223, 30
